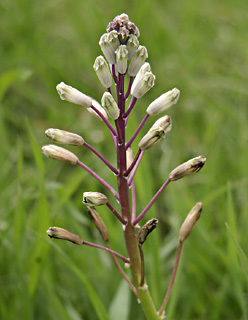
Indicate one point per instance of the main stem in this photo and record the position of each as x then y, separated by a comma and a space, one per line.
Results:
129, 230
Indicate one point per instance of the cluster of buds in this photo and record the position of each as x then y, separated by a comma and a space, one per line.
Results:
122, 57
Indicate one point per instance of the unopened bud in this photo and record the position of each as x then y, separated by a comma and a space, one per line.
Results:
140, 88
110, 105
191, 166
102, 70
93, 199
109, 42
129, 154
64, 137
156, 133
142, 71
71, 94
121, 59
98, 222
58, 153
132, 46
59, 233
99, 108
139, 57
163, 102
146, 230
190, 221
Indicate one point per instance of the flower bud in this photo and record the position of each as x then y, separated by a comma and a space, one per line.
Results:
110, 105
142, 71
146, 230
109, 42
163, 102
99, 108
137, 60
98, 222
102, 71
64, 137
73, 95
59, 233
121, 59
156, 133
129, 155
140, 88
93, 199
190, 221
187, 168
132, 46
58, 153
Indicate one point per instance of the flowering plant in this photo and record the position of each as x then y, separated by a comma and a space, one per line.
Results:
124, 57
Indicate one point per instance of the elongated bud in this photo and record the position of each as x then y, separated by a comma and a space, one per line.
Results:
109, 42
140, 88
190, 221
156, 133
191, 166
93, 199
164, 102
110, 105
121, 59
146, 230
142, 71
132, 46
98, 222
58, 153
129, 154
71, 94
139, 57
64, 137
102, 71
99, 108
59, 233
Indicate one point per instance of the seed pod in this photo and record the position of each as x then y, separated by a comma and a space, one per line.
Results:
190, 221
58, 153
98, 222
146, 230
93, 199
59, 233
64, 137
191, 166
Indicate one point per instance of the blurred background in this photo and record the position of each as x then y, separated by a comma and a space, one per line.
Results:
200, 48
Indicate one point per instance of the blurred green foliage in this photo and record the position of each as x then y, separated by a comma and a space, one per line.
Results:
198, 47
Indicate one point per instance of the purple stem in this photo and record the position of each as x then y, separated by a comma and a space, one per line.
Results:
135, 168
129, 88
130, 108
103, 182
101, 157
106, 249
137, 131
122, 220
151, 202
109, 90
126, 173
112, 130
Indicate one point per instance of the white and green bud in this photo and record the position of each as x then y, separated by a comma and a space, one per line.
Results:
99, 108
110, 106
129, 155
191, 166
93, 199
109, 42
163, 102
190, 221
142, 71
71, 94
139, 57
140, 88
156, 133
64, 137
98, 222
58, 153
59, 233
121, 59
102, 71
132, 46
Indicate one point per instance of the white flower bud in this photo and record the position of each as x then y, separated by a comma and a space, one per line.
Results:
71, 94
129, 155
132, 46
102, 70
191, 166
121, 59
58, 153
93, 199
99, 108
156, 133
109, 42
137, 60
59, 233
110, 105
64, 137
163, 102
190, 221
140, 88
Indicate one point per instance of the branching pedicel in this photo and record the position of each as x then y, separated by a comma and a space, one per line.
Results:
125, 57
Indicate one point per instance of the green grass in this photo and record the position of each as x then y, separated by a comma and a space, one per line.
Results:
201, 49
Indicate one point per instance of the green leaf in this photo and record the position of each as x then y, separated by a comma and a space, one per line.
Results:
119, 308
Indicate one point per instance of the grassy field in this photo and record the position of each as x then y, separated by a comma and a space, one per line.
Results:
200, 48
